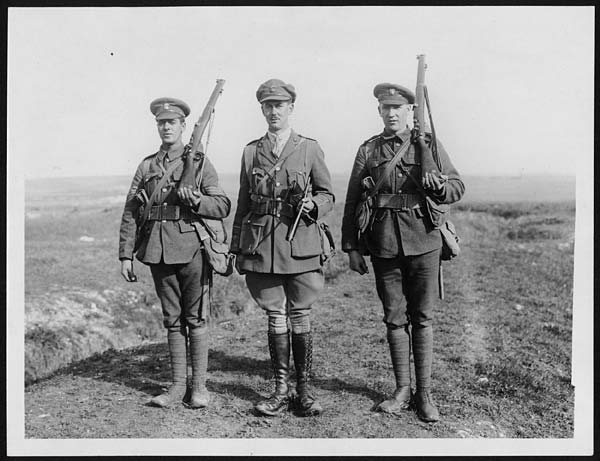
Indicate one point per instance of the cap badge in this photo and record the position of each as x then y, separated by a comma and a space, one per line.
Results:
392, 91
166, 106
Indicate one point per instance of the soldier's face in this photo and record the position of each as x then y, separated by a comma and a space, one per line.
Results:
170, 130
394, 116
277, 114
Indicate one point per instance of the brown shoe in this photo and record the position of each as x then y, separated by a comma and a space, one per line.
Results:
399, 401
426, 410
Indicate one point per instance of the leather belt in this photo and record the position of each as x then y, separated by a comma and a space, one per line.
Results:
397, 201
260, 204
170, 213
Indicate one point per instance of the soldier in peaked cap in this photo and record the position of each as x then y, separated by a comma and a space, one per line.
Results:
283, 174
167, 242
402, 242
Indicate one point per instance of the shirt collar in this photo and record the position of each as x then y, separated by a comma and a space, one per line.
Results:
172, 152
402, 136
282, 135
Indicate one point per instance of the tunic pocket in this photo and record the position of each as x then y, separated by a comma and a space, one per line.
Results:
186, 226
306, 242
251, 236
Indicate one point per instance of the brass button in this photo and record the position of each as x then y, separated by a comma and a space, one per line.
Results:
164, 189
277, 169
278, 184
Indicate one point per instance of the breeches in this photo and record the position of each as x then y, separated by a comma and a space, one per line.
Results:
407, 287
283, 295
183, 291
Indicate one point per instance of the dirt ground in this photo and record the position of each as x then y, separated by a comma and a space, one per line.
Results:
501, 360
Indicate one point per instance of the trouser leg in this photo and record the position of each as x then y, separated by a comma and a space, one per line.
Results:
389, 280
422, 296
268, 292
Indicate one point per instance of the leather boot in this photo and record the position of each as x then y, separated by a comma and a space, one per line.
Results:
199, 354
176, 338
399, 342
422, 340
279, 350
302, 350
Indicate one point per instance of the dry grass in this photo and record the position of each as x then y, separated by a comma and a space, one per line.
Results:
502, 346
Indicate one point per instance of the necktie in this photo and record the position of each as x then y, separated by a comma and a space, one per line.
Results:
277, 146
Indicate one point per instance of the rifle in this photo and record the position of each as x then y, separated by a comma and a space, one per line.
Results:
431, 162
190, 153
292, 230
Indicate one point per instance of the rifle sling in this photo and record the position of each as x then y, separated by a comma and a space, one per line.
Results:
158, 187
388, 169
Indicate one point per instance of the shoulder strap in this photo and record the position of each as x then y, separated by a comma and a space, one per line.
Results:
390, 166
158, 187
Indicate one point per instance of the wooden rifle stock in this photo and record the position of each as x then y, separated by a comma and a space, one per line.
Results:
429, 162
188, 176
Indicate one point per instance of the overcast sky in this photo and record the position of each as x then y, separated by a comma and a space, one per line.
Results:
511, 87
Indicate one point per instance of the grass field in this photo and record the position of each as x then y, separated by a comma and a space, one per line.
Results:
502, 365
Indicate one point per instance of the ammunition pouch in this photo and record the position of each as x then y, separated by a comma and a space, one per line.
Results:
450, 239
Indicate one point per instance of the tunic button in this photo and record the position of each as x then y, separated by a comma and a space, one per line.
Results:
164, 189
164, 220
278, 184
399, 175
277, 169
278, 215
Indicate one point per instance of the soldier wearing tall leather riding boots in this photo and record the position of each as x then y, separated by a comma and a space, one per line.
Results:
168, 243
283, 174
402, 242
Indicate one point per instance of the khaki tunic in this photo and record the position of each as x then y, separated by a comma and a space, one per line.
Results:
169, 242
394, 232
260, 239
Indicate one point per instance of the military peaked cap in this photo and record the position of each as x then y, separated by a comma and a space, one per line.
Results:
390, 93
166, 108
275, 89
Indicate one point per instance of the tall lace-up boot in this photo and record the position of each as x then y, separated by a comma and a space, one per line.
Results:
279, 350
176, 338
302, 350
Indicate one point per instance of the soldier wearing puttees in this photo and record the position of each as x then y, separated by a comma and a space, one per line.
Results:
403, 244
283, 276
171, 248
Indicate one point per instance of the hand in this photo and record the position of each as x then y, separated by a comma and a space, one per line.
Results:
307, 206
433, 181
189, 196
127, 270
357, 262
